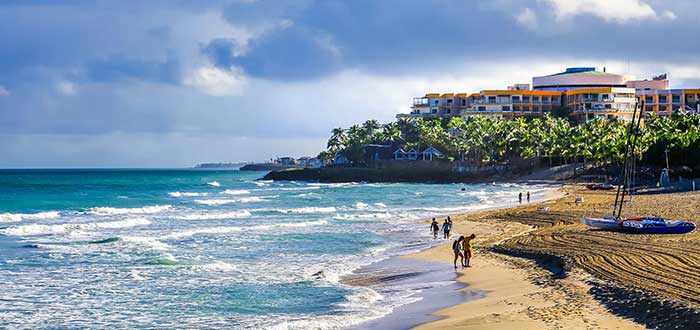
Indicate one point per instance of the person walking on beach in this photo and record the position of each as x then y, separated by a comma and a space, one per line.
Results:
435, 228
467, 243
528, 197
449, 221
446, 229
457, 249
520, 197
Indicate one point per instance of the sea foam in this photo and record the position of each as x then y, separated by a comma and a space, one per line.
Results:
311, 209
134, 210
229, 201
232, 229
42, 229
214, 216
235, 192
187, 194
214, 184
15, 217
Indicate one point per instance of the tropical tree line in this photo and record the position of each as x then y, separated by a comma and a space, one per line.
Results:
478, 140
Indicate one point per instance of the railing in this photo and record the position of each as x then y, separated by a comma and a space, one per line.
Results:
482, 111
420, 115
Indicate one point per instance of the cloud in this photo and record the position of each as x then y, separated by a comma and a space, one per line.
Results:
617, 11
66, 87
668, 15
119, 66
216, 82
185, 75
527, 18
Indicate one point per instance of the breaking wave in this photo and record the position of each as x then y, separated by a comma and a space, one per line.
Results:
235, 192
41, 229
15, 217
187, 194
134, 210
214, 184
229, 201
214, 216
311, 209
226, 230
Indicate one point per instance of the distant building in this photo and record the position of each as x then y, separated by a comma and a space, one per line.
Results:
286, 161
578, 78
512, 103
378, 152
587, 93
605, 102
309, 162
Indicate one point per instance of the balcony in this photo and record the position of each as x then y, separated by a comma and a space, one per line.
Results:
472, 111
418, 115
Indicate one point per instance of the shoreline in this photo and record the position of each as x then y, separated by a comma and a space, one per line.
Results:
404, 316
574, 276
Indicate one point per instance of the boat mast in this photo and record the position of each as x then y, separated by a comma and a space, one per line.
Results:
627, 171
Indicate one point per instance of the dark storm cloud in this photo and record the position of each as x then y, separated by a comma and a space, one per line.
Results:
398, 36
90, 68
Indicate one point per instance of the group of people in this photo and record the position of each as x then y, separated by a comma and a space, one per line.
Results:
446, 226
520, 197
462, 247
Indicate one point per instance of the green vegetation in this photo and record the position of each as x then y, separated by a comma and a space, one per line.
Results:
478, 140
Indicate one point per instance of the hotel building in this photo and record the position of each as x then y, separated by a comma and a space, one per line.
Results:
584, 92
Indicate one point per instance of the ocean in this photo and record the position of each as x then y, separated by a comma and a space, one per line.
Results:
202, 249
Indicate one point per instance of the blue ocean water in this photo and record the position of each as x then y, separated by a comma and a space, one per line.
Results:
198, 249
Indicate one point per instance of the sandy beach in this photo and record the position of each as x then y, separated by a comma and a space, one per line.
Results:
542, 269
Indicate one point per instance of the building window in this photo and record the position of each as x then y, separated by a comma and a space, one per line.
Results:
663, 108
492, 99
516, 108
676, 99
535, 99
663, 99
526, 109
649, 99
526, 99
433, 110
481, 108
515, 99
505, 108
448, 111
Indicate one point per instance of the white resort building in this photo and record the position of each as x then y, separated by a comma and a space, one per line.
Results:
584, 93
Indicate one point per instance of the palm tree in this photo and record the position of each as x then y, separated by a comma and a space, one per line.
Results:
337, 140
391, 133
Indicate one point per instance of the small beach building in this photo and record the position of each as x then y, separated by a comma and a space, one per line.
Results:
400, 154
378, 152
412, 154
431, 152
339, 159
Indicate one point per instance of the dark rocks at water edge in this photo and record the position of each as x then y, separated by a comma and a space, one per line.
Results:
268, 167
219, 165
359, 174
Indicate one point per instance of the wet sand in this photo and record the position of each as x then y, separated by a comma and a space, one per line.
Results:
430, 283
544, 270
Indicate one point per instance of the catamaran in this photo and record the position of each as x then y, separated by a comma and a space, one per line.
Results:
643, 225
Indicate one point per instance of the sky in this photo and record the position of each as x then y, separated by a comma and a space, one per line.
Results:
173, 83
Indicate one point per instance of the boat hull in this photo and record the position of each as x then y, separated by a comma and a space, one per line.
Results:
603, 223
657, 226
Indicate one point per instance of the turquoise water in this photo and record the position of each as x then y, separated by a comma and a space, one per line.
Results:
201, 249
